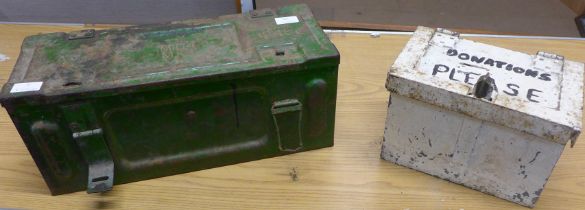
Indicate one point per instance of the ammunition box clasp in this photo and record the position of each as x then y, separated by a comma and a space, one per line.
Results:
287, 115
88, 136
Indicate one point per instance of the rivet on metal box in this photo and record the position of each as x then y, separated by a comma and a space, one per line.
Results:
97, 108
489, 118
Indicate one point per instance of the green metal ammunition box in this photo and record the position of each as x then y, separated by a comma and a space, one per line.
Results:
97, 108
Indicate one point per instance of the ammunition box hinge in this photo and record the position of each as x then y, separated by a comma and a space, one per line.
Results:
287, 115
445, 38
89, 138
261, 13
548, 62
83, 34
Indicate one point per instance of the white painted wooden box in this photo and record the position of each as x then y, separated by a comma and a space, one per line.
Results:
489, 118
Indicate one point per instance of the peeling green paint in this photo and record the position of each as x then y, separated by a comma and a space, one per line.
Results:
174, 98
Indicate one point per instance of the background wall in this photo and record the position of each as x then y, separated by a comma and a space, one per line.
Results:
112, 11
527, 17
523, 17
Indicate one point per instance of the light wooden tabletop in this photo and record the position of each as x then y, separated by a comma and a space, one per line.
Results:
349, 175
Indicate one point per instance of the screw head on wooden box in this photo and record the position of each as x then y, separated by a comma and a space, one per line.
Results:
489, 118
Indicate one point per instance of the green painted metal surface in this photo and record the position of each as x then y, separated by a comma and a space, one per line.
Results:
141, 102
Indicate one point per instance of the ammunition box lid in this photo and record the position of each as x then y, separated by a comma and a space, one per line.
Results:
58, 64
538, 94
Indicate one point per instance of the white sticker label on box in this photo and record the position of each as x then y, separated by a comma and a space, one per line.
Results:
26, 87
286, 20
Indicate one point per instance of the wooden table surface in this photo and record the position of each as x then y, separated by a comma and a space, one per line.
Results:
349, 175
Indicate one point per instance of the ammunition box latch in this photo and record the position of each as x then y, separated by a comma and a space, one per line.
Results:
287, 115
89, 138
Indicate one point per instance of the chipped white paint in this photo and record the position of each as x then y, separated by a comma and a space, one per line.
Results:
412, 74
3, 58
506, 146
